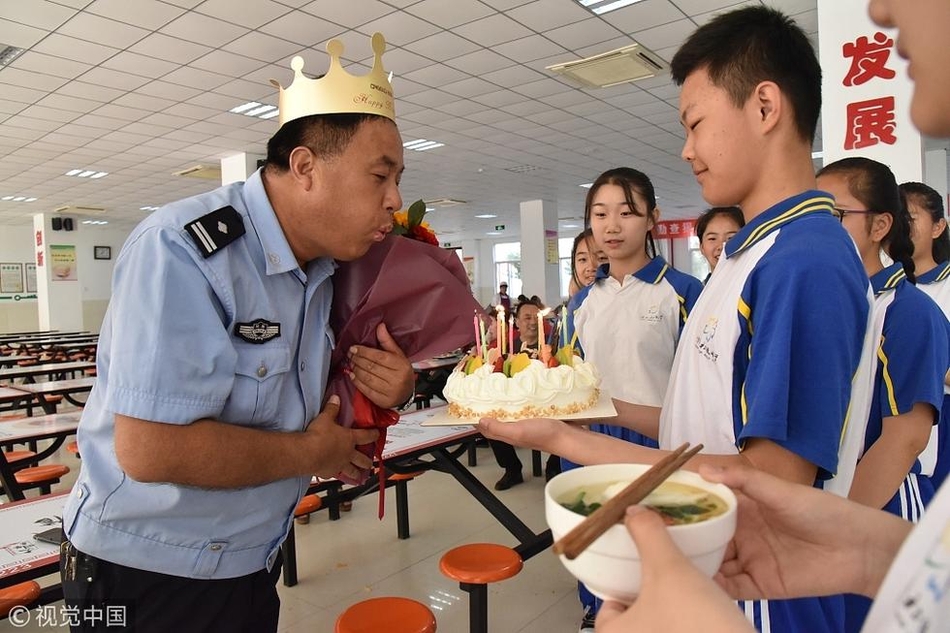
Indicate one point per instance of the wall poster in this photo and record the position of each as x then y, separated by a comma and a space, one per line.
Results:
11, 278
62, 261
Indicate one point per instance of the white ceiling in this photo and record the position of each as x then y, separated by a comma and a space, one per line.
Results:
142, 88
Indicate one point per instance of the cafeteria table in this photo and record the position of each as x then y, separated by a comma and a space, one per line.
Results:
56, 427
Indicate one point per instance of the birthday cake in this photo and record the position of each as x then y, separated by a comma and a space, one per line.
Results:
519, 386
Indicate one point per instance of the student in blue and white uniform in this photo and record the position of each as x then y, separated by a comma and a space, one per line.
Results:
912, 355
628, 321
932, 267
762, 376
792, 540
714, 227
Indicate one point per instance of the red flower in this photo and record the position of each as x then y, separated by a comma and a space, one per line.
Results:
423, 234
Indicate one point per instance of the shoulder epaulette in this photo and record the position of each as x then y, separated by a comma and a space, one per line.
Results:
214, 231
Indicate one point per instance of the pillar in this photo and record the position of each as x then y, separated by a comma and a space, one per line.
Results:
58, 290
539, 254
237, 167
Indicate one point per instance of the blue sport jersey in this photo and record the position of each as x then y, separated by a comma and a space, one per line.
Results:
936, 284
772, 350
912, 357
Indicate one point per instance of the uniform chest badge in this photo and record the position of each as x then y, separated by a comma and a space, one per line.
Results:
257, 331
652, 314
704, 340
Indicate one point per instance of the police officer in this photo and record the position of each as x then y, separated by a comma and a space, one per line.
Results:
205, 425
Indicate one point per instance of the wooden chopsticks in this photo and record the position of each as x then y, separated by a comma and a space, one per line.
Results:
601, 519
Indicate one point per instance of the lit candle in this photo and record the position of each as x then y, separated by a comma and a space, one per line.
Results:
564, 325
511, 335
484, 345
478, 339
541, 315
500, 329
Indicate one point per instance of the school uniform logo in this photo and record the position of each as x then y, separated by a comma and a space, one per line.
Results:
704, 339
652, 315
257, 331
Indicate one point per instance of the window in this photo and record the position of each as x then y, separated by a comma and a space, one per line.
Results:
698, 264
507, 256
564, 246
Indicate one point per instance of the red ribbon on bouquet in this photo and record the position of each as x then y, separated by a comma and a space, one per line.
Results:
422, 293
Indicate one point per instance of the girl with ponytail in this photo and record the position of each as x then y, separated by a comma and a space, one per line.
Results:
913, 350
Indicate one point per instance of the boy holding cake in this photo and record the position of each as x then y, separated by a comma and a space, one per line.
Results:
761, 376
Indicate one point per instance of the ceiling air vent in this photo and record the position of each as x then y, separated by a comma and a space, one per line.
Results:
619, 66
522, 169
80, 210
444, 202
201, 171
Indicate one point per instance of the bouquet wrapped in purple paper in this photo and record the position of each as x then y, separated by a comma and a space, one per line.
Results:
420, 291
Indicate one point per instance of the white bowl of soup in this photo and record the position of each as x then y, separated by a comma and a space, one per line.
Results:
701, 518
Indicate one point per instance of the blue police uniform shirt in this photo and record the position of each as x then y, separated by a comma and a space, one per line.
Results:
170, 352
771, 350
912, 357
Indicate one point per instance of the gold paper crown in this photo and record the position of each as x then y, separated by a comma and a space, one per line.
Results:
338, 92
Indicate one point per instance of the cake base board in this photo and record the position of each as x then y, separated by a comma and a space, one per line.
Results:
603, 408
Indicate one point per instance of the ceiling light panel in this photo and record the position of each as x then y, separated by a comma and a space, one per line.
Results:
91, 174
422, 145
599, 7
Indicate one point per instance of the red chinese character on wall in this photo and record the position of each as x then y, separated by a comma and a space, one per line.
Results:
868, 59
870, 122
661, 229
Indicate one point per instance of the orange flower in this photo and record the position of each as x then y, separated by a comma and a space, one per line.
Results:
410, 223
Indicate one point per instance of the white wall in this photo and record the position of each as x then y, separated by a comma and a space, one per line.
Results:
95, 276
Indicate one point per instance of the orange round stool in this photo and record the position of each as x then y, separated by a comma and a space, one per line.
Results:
42, 477
308, 505
73, 447
474, 566
18, 456
390, 614
21, 595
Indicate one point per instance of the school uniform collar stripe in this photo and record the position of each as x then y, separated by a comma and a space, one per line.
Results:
887, 279
938, 273
653, 272
895, 279
809, 206
774, 218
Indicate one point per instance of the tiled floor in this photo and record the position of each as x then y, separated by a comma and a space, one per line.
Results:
358, 557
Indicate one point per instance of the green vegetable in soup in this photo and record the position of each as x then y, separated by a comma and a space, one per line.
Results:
580, 506
678, 504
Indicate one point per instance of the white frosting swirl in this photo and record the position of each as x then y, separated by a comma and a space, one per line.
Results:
535, 386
